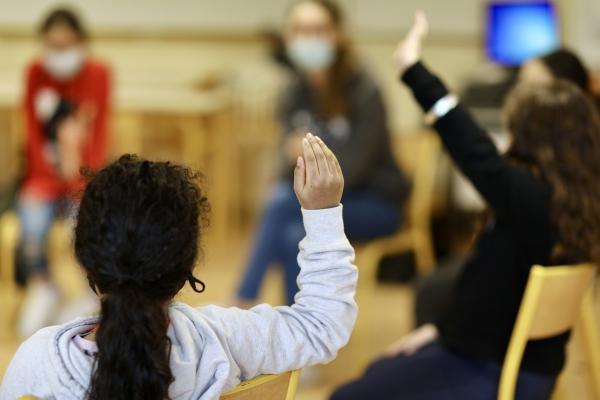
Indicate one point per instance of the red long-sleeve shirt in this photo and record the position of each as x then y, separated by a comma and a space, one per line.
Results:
91, 86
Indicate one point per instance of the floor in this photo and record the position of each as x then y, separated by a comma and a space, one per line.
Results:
385, 316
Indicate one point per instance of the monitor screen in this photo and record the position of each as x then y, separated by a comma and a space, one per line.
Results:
518, 31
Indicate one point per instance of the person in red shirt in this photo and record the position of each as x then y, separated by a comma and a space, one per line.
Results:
66, 107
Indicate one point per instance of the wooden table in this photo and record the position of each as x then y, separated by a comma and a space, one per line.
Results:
198, 120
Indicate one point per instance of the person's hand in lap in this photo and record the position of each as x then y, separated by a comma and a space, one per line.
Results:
414, 341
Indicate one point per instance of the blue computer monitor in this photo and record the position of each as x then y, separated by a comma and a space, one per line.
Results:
518, 31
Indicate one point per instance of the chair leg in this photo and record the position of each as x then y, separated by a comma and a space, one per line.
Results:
424, 254
367, 260
591, 338
9, 232
8, 240
559, 391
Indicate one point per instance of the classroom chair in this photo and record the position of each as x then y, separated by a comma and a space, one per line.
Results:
264, 387
415, 235
60, 236
9, 235
554, 299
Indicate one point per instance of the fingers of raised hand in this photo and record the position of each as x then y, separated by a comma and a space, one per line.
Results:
329, 158
330, 173
319, 155
299, 176
312, 169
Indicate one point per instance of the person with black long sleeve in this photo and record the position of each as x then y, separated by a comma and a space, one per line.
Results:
544, 209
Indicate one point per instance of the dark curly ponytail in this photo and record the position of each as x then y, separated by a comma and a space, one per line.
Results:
137, 239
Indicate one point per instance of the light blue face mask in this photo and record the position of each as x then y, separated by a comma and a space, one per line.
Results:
311, 53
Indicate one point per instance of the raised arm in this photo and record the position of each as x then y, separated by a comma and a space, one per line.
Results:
269, 339
467, 143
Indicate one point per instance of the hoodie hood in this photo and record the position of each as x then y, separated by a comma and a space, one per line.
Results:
199, 360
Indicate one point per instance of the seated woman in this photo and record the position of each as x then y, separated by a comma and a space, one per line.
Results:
137, 240
334, 97
545, 205
66, 113
434, 292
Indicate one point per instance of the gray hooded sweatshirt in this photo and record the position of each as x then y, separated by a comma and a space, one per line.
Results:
214, 348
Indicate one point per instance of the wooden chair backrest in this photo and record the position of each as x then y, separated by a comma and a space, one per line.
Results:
266, 387
419, 154
553, 299
551, 305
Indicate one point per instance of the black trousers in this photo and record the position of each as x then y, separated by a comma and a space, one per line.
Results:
435, 373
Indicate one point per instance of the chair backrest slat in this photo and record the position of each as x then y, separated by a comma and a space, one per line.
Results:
418, 155
560, 297
551, 305
266, 387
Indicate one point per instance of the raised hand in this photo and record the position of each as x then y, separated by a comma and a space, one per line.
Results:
318, 179
408, 51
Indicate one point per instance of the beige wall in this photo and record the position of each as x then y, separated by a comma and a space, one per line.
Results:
177, 60
375, 16
138, 62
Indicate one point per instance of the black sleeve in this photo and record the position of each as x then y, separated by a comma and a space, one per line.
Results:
358, 156
467, 143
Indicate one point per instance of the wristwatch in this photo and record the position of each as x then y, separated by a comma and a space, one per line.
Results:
441, 107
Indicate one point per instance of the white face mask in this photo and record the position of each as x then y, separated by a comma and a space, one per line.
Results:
63, 64
311, 53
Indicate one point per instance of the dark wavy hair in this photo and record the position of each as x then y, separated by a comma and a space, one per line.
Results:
556, 134
137, 238
564, 64
64, 17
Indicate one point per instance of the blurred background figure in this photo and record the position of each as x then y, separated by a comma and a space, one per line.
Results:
66, 110
332, 96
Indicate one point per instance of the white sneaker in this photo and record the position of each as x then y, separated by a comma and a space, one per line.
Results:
38, 309
86, 306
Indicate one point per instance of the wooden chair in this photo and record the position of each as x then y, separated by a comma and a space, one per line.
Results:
59, 237
416, 234
8, 239
9, 235
264, 387
554, 299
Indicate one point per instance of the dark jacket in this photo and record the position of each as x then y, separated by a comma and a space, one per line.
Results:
520, 235
360, 140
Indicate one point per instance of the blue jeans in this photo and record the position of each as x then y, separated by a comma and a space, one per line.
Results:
366, 216
36, 217
435, 373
